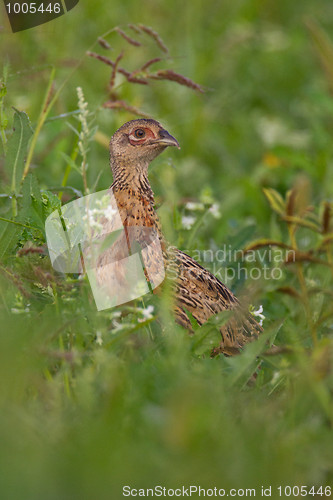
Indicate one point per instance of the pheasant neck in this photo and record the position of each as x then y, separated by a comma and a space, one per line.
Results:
133, 178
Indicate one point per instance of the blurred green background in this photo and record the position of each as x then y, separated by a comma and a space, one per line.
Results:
93, 401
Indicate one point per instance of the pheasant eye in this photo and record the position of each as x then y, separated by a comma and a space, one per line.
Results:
139, 133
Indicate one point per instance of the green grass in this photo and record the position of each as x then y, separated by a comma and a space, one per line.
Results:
92, 401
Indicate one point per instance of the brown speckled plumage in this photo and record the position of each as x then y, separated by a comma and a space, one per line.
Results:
196, 290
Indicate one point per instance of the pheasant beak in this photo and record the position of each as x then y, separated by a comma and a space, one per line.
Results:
166, 139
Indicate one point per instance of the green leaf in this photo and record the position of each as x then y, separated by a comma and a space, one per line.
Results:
32, 204
245, 364
71, 162
298, 221
209, 338
17, 149
8, 234
3, 90
275, 200
70, 189
51, 203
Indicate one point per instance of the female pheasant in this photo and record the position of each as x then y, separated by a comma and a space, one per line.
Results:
196, 290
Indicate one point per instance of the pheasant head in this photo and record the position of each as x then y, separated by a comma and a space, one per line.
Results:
133, 147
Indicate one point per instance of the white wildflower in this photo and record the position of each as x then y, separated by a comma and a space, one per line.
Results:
103, 201
215, 210
109, 212
85, 135
116, 314
188, 221
91, 219
99, 339
258, 314
83, 115
15, 310
146, 313
116, 326
193, 205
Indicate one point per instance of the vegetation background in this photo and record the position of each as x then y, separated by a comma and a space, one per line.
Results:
93, 401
